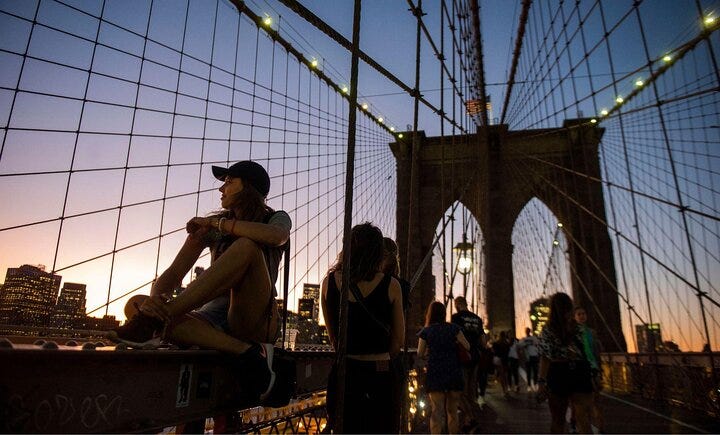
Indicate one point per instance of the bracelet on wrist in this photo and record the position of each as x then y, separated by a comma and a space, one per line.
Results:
220, 225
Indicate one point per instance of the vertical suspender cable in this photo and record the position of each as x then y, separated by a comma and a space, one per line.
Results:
349, 176
412, 218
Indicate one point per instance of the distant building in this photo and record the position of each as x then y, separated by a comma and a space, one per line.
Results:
70, 309
539, 314
280, 303
323, 335
649, 337
312, 291
104, 323
28, 296
306, 309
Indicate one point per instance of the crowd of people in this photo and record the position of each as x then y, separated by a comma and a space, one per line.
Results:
561, 366
232, 307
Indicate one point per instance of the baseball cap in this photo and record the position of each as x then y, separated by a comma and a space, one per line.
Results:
250, 171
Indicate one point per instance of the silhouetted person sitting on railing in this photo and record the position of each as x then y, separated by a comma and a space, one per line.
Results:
231, 306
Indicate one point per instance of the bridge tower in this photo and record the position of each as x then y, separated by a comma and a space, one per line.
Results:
494, 174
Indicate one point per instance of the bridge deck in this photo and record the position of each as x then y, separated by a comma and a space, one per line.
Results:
521, 413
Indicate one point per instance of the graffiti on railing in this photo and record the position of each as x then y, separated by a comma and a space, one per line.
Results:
61, 411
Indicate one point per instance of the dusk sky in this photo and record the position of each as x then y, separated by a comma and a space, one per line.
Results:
94, 166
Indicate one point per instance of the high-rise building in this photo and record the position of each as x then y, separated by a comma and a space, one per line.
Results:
649, 337
28, 295
104, 323
306, 309
70, 309
539, 314
312, 291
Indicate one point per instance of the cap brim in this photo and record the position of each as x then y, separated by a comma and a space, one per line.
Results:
219, 172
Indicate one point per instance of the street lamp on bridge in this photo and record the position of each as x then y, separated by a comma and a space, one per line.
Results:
464, 253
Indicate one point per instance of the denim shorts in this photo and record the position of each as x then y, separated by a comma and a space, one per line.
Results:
215, 313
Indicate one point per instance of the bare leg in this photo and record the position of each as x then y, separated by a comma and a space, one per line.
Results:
241, 267
582, 404
453, 400
225, 273
558, 408
437, 417
197, 332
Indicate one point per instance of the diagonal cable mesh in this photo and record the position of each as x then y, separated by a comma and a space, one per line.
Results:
106, 162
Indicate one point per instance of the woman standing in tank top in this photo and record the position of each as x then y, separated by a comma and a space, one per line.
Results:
376, 329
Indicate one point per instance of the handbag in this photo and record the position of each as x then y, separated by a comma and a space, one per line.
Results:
463, 354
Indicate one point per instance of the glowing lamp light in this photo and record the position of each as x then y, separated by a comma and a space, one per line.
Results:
400, 135
619, 100
639, 83
667, 58
314, 63
464, 251
709, 20
560, 225
392, 128
345, 89
413, 410
556, 243
365, 106
380, 119
604, 112
594, 121
268, 20
421, 404
533, 317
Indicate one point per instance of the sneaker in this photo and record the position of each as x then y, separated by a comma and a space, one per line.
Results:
139, 332
256, 366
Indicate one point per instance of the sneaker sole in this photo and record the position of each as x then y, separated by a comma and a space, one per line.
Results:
151, 344
285, 388
269, 353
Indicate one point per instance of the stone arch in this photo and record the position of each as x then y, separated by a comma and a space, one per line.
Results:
540, 242
495, 173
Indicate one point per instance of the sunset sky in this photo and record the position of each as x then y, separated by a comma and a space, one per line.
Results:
93, 167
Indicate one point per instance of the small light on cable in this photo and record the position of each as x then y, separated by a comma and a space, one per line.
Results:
392, 128
667, 58
604, 112
268, 20
380, 119
593, 121
619, 100
560, 225
345, 89
709, 21
639, 83
314, 63
364, 106
400, 135
555, 242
